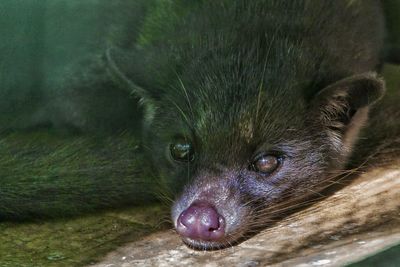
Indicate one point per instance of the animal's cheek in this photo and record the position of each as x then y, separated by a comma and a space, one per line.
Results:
262, 190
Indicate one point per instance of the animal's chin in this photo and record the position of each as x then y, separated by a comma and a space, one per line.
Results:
204, 245
210, 245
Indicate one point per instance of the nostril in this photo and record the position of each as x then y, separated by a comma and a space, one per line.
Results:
201, 221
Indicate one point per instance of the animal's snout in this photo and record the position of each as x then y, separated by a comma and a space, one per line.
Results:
201, 221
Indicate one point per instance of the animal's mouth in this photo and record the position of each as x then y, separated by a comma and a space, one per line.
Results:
198, 244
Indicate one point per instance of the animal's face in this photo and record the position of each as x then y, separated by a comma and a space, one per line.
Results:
235, 162
235, 143
230, 171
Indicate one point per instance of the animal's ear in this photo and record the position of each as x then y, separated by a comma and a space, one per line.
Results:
128, 69
342, 108
124, 69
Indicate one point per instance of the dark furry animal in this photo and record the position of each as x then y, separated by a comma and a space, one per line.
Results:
266, 99
247, 105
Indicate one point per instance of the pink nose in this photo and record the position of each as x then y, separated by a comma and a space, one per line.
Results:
201, 222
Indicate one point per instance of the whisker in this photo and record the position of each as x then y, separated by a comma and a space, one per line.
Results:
186, 94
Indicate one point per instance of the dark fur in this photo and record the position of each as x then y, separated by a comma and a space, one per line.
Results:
239, 78
242, 79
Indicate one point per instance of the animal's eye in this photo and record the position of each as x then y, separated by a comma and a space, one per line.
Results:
182, 150
266, 164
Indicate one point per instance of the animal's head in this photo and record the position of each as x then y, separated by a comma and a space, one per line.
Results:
235, 146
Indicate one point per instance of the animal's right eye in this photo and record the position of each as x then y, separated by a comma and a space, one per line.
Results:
182, 150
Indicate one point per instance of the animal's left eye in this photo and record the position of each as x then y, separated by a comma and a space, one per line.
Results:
266, 164
182, 150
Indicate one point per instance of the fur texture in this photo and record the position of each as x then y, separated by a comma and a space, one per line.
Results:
235, 80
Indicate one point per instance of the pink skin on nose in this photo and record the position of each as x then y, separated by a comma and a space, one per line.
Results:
201, 222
